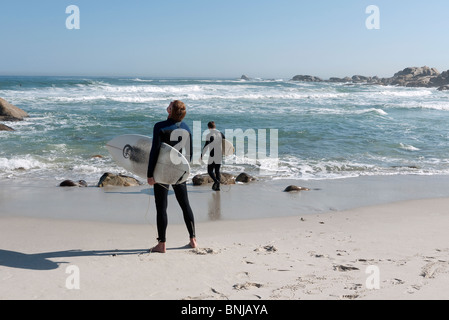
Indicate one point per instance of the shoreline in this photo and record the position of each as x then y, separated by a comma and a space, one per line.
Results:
254, 200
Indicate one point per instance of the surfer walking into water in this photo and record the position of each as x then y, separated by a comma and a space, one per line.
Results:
214, 142
176, 133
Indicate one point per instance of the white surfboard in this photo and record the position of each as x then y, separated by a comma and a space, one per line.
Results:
228, 148
132, 152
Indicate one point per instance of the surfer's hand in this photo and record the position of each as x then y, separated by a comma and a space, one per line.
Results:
151, 181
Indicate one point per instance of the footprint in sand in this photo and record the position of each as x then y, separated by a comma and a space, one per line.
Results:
413, 288
204, 251
342, 253
247, 286
432, 269
396, 281
268, 248
353, 286
343, 268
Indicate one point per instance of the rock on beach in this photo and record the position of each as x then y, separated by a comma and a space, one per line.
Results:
203, 179
113, 180
244, 178
295, 189
70, 183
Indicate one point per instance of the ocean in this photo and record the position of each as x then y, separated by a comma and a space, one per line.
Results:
307, 131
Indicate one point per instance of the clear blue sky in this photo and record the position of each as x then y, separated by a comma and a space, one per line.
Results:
222, 38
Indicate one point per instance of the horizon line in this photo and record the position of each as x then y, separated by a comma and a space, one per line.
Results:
203, 77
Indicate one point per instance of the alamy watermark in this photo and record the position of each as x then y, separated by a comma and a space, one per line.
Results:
73, 21
250, 146
73, 280
373, 20
373, 280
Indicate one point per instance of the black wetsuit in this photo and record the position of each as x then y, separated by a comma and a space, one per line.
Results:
215, 160
178, 135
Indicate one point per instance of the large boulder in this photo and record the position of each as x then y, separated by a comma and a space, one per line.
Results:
244, 178
294, 188
9, 112
203, 179
413, 72
113, 180
417, 77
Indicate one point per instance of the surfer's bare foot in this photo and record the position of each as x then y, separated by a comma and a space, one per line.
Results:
160, 247
193, 243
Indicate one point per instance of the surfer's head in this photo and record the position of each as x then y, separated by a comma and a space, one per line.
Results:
211, 125
177, 110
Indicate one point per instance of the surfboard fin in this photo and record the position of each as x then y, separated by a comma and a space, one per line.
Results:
180, 179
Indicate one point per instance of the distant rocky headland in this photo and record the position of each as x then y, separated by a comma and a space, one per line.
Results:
418, 77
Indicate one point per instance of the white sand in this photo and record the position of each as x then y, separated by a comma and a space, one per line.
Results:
297, 257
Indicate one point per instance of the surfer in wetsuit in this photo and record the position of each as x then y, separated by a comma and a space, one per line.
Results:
177, 134
214, 142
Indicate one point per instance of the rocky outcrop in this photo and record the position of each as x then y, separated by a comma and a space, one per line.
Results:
9, 112
441, 80
363, 79
203, 179
245, 77
113, 180
340, 80
306, 78
424, 77
414, 77
5, 128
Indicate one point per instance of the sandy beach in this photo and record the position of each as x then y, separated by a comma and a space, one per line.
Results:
384, 250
